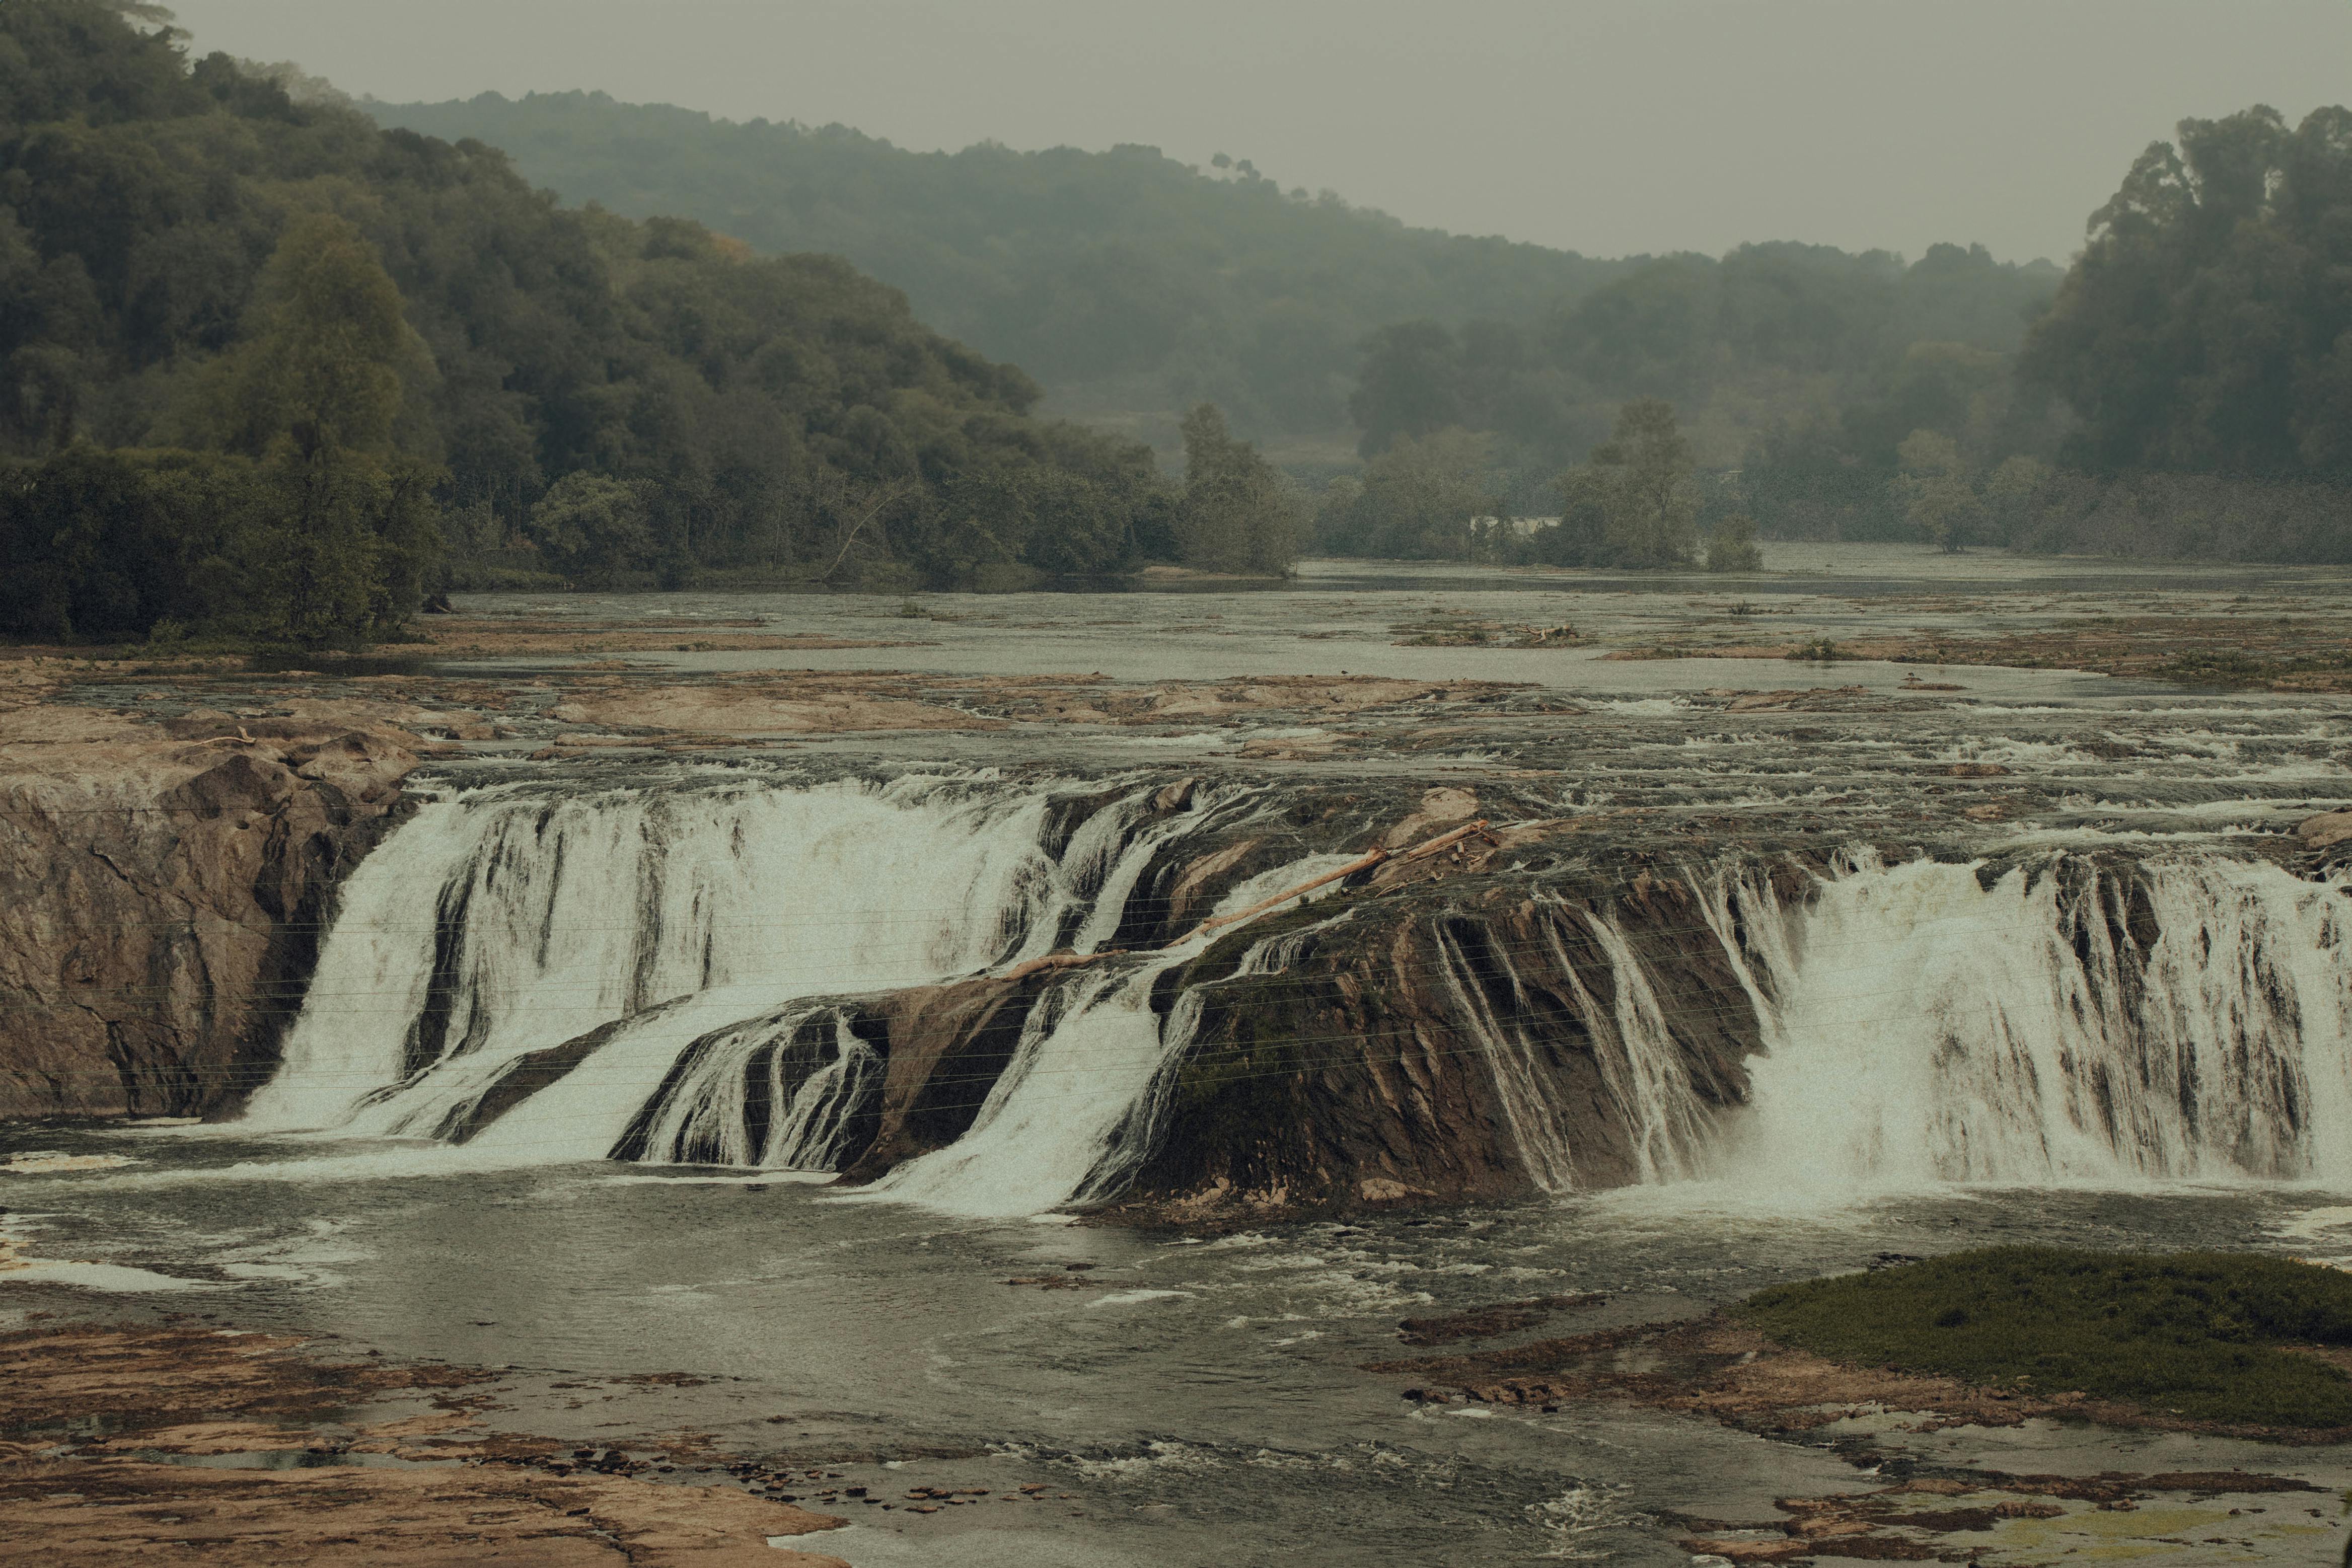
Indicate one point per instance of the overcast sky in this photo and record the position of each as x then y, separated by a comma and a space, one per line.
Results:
1605, 126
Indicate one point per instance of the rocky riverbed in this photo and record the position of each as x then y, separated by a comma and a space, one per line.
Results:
1417, 1088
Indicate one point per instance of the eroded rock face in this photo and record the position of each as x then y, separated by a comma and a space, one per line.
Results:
166, 888
1465, 1044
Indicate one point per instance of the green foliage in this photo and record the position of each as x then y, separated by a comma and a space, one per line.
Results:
1239, 514
104, 545
1631, 502
322, 369
1732, 548
2196, 1333
1133, 284
1939, 500
1769, 335
2187, 394
109, 545
2207, 326
190, 257
592, 526
1418, 501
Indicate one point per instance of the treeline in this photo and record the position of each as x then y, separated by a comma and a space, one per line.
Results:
1133, 285
2188, 392
1767, 336
264, 364
2185, 391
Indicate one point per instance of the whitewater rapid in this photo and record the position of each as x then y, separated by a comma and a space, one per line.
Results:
672, 974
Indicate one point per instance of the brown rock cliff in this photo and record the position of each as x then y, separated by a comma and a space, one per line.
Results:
165, 888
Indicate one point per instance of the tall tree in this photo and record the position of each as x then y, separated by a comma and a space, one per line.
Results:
316, 391
1631, 502
2207, 326
1940, 499
1417, 499
1239, 513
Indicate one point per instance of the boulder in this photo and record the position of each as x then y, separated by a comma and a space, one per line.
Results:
2327, 829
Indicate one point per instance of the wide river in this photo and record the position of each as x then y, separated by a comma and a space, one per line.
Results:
1201, 1400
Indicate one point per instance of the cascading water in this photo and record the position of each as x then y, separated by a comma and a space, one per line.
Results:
1054, 1125
502, 924
660, 975
672, 974
2185, 1017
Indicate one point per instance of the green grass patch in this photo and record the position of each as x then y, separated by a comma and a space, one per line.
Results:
2198, 1333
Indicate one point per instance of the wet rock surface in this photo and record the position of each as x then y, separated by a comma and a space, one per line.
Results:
1719, 1367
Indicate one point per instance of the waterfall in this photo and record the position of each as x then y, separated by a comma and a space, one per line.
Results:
788, 1091
503, 924
2187, 1017
1639, 1059
670, 975
1057, 1123
695, 971
1523, 1079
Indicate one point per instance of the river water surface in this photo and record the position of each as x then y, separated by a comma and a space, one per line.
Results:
1199, 1399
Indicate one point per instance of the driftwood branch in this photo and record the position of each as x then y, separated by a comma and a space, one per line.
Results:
1022, 971
1363, 862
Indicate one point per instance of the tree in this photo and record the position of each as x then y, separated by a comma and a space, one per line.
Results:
1631, 502
2203, 329
592, 526
1939, 501
1418, 498
167, 279
1407, 385
316, 391
2013, 497
1733, 545
1239, 514
323, 371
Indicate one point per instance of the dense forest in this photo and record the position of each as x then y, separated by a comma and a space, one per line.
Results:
2185, 389
1769, 337
262, 361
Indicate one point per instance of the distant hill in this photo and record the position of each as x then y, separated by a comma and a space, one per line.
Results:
1131, 284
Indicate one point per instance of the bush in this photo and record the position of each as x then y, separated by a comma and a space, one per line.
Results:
1733, 547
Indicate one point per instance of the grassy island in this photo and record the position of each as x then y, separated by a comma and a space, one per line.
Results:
2221, 1336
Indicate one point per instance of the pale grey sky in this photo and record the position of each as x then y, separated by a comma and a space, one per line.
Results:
1606, 126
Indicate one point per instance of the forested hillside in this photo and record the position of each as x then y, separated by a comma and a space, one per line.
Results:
1771, 337
1132, 286
192, 266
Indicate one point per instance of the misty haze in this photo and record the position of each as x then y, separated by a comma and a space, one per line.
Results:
1026, 784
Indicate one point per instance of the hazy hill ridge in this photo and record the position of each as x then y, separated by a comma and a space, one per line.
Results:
1124, 280
1132, 286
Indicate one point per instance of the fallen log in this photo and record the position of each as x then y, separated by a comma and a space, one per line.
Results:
1029, 967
